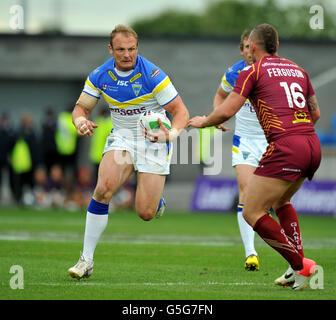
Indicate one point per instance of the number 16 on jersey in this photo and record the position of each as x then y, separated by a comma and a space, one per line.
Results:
294, 93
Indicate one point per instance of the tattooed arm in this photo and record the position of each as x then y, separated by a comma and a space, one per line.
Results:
314, 108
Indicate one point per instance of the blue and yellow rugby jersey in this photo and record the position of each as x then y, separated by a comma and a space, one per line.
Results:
247, 123
147, 87
231, 75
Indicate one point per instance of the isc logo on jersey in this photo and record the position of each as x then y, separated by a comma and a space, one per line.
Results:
122, 83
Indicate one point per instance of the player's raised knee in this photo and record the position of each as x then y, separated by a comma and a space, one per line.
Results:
147, 216
145, 213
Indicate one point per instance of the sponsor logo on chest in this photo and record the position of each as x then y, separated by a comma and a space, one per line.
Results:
122, 83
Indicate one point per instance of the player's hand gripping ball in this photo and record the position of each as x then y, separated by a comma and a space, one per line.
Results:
155, 126
149, 121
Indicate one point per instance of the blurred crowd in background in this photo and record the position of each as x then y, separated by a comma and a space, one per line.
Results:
39, 162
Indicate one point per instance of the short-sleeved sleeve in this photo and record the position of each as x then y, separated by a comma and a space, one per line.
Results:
225, 84
245, 81
90, 86
158, 82
164, 92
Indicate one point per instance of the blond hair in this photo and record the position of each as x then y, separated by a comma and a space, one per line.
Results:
126, 31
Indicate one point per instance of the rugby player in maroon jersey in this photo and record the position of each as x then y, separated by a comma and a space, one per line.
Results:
287, 110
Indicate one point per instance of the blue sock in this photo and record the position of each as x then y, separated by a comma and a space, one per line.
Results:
96, 207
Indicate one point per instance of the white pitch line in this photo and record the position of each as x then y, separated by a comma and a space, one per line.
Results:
124, 238
159, 239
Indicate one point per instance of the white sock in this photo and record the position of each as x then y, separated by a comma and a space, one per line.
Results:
247, 235
95, 226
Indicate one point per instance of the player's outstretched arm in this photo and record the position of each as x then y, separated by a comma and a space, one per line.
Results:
222, 113
314, 108
219, 98
81, 113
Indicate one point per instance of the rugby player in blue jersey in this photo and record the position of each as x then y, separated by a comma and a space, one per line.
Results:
131, 85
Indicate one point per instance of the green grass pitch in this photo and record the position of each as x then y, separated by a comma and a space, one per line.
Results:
181, 256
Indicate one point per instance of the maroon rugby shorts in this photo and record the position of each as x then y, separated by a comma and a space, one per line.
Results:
291, 157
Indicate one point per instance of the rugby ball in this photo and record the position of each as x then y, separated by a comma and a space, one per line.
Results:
149, 121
